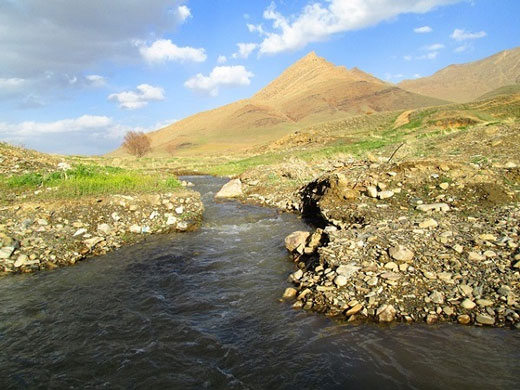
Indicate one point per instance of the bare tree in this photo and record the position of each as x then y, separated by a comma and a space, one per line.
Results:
137, 143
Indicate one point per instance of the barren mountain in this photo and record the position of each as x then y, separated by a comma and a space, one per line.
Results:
466, 82
310, 91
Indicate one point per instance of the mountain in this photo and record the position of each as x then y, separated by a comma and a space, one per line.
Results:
310, 91
466, 82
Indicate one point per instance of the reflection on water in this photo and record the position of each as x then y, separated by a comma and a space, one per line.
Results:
202, 310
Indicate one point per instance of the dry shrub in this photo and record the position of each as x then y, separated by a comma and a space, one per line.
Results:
137, 143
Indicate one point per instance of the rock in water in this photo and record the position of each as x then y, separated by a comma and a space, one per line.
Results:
296, 241
386, 313
289, 293
231, 189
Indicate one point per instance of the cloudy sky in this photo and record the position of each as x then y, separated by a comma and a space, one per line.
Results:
75, 76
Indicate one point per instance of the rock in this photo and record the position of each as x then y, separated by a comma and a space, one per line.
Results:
391, 266
458, 248
21, 260
401, 253
289, 293
464, 319
354, 310
466, 290
510, 165
92, 242
314, 241
347, 270
297, 275
182, 226
64, 166
296, 241
171, 220
428, 223
179, 210
392, 276
385, 194
489, 254
6, 252
448, 310
135, 229
444, 186
386, 313
79, 232
468, 304
487, 237
42, 222
433, 207
231, 189
115, 216
340, 280
104, 228
372, 191
445, 277
474, 256
484, 319
484, 302
431, 319
504, 291
437, 297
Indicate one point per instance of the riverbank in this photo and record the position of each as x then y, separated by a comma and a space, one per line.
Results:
55, 212
414, 241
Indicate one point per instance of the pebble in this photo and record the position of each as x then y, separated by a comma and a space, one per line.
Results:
179, 210
433, 207
468, 304
6, 252
386, 313
484, 319
340, 280
21, 260
484, 302
104, 228
474, 256
444, 186
464, 319
372, 191
135, 229
437, 297
289, 293
401, 253
428, 223
385, 194
354, 310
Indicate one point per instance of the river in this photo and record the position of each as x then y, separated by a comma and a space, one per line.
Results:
202, 310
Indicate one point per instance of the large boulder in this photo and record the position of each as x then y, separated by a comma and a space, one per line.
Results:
296, 241
231, 189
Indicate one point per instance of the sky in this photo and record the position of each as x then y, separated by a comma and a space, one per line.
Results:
75, 76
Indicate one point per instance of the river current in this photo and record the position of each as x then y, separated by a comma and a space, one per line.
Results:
202, 310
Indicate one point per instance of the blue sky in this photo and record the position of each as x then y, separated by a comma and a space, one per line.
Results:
75, 76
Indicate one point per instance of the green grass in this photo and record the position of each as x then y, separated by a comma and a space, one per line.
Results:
85, 180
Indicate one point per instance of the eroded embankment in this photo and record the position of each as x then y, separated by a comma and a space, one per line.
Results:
416, 241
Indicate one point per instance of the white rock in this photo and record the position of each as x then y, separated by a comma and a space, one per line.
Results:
135, 229
474, 256
347, 270
21, 260
340, 280
179, 210
6, 252
92, 242
79, 232
296, 241
401, 253
385, 194
386, 313
468, 304
231, 189
428, 223
104, 228
42, 222
444, 186
153, 215
433, 207
372, 191
115, 216
64, 166
171, 220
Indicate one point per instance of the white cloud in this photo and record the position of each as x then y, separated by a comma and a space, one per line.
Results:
463, 35
463, 48
423, 30
96, 80
318, 21
183, 12
244, 50
164, 50
132, 100
434, 47
429, 56
221, 59
226, 76
256, 28
12, 82
31, 128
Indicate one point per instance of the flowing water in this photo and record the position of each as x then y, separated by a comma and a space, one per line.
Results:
202, 310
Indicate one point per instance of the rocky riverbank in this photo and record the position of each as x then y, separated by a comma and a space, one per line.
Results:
46, 235
422, 241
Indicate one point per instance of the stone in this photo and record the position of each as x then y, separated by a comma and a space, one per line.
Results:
64, 166
474, 256
487, 237
179, 210
458, 248
354, 310
428, 223
372, 191
392, 276
92, 242
386, 313
385, 194
21, 260
464, 319
297, 275
6, 252
171, 220
340, 280
104, 228
437, 297
42, 222
79, 232
391, 266
448, 310
289, 293
347, 270
468, 304
466, 290
115, 216
231, 189
431, 319
401, 253
296, 241
490, 254
135, 229
484, 302
433, 207
444, 186
445, 277
484, 319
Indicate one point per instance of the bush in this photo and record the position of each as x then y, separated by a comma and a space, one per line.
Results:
137, 143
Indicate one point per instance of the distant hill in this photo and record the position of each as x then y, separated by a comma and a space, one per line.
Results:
507, 90
310, 91
466, 82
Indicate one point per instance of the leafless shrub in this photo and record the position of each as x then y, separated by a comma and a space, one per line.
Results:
137, 143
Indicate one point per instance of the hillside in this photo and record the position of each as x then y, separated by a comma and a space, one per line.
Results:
466, 82
310, 91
